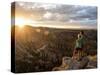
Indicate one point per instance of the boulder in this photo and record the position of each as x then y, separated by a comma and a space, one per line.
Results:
70, 64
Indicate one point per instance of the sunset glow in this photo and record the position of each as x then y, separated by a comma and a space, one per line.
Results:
21, 22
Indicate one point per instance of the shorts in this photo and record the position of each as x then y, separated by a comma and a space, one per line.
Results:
78, 49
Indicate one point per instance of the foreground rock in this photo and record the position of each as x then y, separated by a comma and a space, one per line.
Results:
70, 64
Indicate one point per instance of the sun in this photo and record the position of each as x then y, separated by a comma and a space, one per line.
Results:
20, 21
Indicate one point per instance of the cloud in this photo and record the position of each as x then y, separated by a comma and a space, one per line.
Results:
84, 15
48, 15
54, 16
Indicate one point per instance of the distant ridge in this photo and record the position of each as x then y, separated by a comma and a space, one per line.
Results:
30, 26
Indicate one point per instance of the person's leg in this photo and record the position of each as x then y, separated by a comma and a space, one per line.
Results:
79, 53
74, 54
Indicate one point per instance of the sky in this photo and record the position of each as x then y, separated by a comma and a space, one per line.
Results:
57, 15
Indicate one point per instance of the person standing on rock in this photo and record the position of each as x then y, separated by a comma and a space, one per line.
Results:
79, 46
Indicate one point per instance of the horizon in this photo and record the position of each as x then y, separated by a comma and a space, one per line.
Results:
54, 27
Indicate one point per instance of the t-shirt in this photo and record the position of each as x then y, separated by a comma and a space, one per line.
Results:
80, 42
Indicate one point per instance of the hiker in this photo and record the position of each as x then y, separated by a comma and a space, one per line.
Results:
78, 52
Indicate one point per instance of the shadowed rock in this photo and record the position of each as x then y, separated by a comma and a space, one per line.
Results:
71, 64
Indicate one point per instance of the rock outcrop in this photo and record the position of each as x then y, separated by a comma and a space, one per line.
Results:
70, 64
